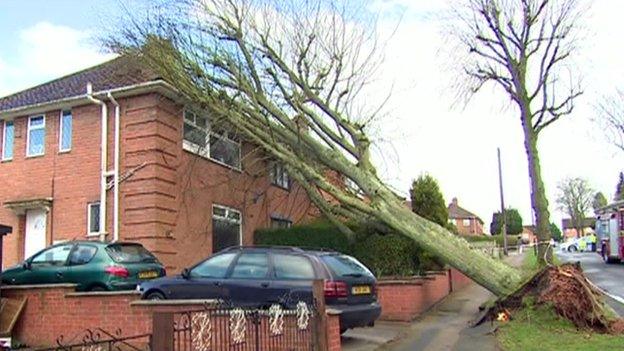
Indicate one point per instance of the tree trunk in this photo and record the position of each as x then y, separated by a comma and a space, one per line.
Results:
539, 202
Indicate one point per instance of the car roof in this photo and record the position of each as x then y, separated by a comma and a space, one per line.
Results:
315, 251
97, 243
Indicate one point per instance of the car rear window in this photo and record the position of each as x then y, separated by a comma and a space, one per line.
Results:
343, 265
130, 254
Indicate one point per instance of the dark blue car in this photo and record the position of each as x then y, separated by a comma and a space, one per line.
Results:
261, 276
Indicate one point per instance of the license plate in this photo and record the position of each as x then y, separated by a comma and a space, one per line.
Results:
148, 275
360, 290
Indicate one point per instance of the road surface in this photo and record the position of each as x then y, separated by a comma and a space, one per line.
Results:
609, 277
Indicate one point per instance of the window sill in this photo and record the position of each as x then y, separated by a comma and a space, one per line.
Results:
206, 157
95, 235
64, 151
6, 160
34, 156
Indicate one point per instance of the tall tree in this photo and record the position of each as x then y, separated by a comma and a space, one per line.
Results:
427, 200
599, 201
285, 75
522, 47
513, 222
619, 188
574, 199
611, 118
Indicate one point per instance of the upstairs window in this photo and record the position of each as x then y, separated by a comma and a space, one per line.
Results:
65, 132
466, 222
93, 218
280, 223
7, 141
36, 136
200, 139
279, 176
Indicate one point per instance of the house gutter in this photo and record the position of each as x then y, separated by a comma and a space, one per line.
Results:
103, 159
116, 170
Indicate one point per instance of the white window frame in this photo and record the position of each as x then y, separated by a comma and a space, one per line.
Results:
4, 141
204, 151
280, 219
466, 222
89, 232
60, 141
226, 218
28, 129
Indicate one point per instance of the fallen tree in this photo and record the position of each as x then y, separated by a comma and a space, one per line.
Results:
286, 76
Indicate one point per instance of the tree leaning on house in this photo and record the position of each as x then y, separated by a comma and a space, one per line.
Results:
523, 48
427, 200
619, 188
286, 76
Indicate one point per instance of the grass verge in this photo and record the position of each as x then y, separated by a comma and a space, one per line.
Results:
539, 328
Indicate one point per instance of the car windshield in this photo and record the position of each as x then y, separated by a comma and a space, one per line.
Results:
346, 266
130, 253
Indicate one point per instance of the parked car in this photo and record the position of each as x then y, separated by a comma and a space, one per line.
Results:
92, 265
261, 276
574, 245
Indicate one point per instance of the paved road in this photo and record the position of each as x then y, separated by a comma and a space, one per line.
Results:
609, 277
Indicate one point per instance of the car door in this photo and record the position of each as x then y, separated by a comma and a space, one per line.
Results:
79, 270
48, 266
248, 284
204, 280
293, 276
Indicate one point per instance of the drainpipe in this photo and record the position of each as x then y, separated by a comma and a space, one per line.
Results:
116, 170
103, 158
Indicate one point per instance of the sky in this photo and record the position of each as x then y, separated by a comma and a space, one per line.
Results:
423, 129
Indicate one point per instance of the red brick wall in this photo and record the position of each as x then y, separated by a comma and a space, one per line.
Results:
404, 300
475, 227
166, 199
52, 311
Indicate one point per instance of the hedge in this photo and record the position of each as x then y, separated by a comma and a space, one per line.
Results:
389, 254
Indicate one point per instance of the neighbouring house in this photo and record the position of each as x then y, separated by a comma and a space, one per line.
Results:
467, 223
570, 232
528, 234
165, 176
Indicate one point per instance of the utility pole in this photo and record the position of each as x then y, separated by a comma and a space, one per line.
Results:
502, 201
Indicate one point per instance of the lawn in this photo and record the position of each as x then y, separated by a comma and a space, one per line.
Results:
539, 328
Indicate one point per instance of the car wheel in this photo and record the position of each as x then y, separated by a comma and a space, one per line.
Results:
155, 296
572, 248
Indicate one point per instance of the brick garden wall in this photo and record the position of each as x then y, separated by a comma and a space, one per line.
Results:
55, 310
405, 299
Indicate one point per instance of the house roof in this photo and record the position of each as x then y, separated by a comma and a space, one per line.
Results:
566, 223
120, 72
457, 212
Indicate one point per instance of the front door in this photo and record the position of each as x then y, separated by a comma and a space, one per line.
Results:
35, 239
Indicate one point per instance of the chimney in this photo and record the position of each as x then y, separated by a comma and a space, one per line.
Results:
454, 201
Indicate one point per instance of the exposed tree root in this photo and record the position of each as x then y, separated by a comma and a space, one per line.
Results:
572, 296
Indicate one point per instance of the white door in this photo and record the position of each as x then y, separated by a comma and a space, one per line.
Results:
35, 232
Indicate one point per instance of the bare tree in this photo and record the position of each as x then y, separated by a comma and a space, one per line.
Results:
522, 47
575, 198
286, 75
611, 118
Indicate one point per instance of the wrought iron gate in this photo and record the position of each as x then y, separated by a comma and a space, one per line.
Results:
224, 327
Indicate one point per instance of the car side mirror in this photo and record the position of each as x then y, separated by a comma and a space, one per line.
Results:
186, 274
27, 265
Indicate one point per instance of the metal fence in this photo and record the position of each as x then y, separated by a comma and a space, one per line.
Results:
101, 340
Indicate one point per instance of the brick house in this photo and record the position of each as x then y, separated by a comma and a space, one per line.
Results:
467, 223
569, 232
165, 177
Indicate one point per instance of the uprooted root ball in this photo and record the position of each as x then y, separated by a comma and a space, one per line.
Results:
571, 295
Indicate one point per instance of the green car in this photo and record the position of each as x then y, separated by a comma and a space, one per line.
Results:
92, 265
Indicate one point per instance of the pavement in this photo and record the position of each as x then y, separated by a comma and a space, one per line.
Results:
444, 327
608, 277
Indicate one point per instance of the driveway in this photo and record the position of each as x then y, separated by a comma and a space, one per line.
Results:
609, 277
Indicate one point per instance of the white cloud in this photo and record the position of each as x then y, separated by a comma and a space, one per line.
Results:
47, 51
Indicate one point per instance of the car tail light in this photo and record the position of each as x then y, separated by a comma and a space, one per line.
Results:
117, 271
335, 289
